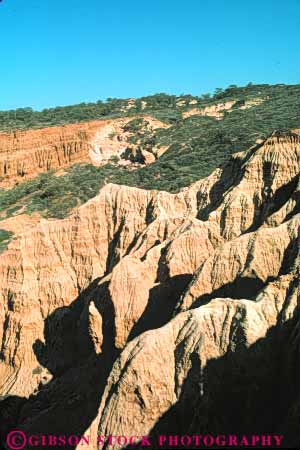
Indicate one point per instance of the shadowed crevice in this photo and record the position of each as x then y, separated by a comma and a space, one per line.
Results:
245, 392
273, 202
161, 304
241, 288
232, 174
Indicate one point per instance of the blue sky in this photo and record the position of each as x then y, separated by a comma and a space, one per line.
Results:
58, 52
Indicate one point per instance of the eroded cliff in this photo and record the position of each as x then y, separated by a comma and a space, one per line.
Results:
24, 154
163, 306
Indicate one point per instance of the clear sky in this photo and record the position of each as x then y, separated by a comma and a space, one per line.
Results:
58, 52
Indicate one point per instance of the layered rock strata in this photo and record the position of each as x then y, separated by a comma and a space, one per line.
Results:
24, 154
151, 311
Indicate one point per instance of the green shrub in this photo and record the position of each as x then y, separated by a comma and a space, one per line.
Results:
196, 146
5, 237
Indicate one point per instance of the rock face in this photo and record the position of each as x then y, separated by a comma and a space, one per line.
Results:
152, 313
24, 154
216, 110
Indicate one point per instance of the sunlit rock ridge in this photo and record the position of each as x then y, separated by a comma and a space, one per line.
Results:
148, 312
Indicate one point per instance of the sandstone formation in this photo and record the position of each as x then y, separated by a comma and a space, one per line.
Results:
217, 110
24, 154
148, 312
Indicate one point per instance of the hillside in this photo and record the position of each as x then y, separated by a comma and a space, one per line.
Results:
153, 262
173, 304
191, 137
167, 107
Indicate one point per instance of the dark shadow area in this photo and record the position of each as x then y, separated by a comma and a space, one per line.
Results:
161, 304
290, 256
10, 408
241, 287
232, 174
163, 297
149, 212
295, 210
247, 391
273, 202
106, 308
283, 194
249, 287
69, 403
66, 342
112, 257
296, 197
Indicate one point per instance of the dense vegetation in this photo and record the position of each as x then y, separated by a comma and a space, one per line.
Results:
197, 145
165, 107
5, 237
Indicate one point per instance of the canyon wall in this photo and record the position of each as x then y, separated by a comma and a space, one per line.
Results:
24, 154
147, 311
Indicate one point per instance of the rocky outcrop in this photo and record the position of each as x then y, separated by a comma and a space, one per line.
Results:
49, 265
24, 154
172, 373
170, 304
241, 267
215, 110
257, 187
